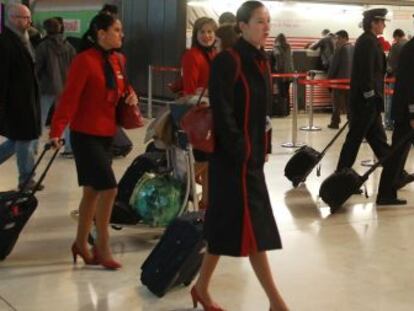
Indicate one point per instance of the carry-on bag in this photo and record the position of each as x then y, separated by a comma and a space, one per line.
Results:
280, 106
157, 198
122, 212
121, 145
340, 185
177, 257
16, 207
305, 159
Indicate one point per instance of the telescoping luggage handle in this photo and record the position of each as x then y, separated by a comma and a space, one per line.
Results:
318, 169
46, 148
334, 138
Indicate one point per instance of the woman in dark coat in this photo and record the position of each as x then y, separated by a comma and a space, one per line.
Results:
283, 63
239, 220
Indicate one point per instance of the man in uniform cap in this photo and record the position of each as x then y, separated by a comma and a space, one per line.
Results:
366, 96
402, 112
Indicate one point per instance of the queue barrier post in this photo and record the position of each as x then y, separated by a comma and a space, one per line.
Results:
150, 99
311, 127
149, 110
294, 143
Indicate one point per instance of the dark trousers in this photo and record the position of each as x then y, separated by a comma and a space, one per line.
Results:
283, 87
366, 123
340, 99
394, 166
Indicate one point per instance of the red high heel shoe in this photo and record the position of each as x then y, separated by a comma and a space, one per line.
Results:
108, 264
87, 259
196, 299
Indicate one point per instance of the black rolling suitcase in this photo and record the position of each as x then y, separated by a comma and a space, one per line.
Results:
280, 106
16, 207
177, 257
121, 145
305, 159
339, 186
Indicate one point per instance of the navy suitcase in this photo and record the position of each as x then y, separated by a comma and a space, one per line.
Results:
177, 257
16, 207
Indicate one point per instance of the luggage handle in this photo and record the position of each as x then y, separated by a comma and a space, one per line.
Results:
399, 144
46, 148
334, 139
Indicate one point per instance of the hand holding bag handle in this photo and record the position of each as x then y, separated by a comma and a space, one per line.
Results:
198, 124
127, 116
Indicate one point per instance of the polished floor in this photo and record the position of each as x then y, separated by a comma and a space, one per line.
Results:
361, 259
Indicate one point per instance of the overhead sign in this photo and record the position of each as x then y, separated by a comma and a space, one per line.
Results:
72, 25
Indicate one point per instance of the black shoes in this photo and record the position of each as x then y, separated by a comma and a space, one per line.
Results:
67, 155
333, 126
404, 180
31, 186
391, 201
358, 191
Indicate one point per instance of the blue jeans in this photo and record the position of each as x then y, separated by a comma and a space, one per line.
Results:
46, 103
24, 150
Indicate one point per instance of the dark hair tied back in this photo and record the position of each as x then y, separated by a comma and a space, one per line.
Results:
100, 22
245, 12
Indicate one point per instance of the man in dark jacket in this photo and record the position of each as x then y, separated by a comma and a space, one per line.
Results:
366, 96
392, 63
340, 68
19, 94
53, 58
326, 46
402, 112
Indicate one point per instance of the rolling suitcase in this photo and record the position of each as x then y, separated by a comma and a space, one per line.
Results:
16, 207
121, 145
177, 257
305, 159
280, 106
339, 186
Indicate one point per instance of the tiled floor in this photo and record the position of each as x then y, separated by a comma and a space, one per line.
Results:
360, 259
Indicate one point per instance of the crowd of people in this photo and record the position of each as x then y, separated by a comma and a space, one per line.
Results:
228, 63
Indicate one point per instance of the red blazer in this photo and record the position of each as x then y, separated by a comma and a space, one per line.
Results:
196, 70
86, 104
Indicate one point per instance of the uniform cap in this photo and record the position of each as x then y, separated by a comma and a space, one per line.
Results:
379, 13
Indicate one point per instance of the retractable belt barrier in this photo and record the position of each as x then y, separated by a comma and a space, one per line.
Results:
157, 69
343, 84
295, 76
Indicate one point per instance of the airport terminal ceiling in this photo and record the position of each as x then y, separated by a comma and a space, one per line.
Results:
97, 3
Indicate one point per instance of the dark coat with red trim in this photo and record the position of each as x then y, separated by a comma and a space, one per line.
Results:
239, 219
196, 69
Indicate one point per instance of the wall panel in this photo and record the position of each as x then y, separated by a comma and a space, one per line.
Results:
154, 34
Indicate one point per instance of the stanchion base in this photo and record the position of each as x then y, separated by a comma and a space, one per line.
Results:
292, 145
311, 128
367, 163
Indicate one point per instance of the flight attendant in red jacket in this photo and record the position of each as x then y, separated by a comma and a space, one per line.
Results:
196, 72
93, 88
